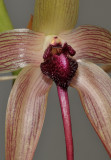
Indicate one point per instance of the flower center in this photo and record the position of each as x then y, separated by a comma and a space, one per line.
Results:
58, 64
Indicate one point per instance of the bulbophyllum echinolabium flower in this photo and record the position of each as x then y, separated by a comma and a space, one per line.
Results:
54, 51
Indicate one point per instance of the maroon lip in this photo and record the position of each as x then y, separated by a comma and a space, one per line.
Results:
59, 65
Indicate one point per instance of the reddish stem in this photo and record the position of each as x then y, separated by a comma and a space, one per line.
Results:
64, 103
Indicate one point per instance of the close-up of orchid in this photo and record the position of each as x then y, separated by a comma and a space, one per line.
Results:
53, 50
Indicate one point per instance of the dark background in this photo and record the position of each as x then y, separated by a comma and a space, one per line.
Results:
51, 145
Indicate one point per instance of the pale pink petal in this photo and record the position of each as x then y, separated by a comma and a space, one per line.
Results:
91, 43
25, 113
94, 87
19, 48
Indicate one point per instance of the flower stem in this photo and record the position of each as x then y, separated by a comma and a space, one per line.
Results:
64, 103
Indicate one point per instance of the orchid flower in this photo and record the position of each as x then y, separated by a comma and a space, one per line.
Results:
54, 51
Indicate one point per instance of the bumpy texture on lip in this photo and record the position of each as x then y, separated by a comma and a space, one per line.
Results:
58, 65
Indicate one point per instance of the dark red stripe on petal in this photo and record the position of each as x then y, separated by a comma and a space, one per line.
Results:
94, 87
19, 48
25, 113
91, 43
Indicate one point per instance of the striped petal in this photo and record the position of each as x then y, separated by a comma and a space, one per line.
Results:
20, 47
55, 16
5, 23
25, 113
91, 43
94, 87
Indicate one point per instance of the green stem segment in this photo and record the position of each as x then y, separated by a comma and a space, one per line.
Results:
64, 103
